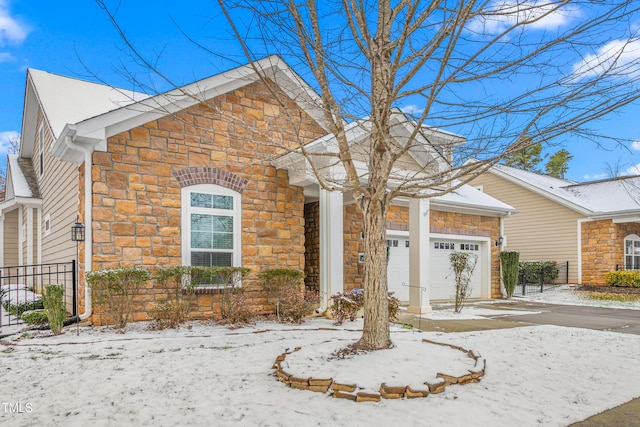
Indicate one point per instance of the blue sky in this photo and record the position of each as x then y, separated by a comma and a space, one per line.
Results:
75, 38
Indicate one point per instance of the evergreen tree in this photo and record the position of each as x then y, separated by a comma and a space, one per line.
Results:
558, 164
527, 158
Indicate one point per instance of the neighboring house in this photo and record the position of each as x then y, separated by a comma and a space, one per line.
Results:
595, 226
199, 176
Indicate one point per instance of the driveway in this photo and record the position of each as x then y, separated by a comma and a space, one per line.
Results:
600, 319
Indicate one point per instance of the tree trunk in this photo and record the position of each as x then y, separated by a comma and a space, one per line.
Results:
375, 334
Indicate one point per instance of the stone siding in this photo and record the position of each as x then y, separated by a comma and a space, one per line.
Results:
312, 245
603, 248
440, 222
229, 142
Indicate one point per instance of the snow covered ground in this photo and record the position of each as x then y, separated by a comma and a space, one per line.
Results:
207, 375
566, 294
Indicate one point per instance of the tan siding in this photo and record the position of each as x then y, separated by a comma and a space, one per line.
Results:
59, 193
542, 229
11, 239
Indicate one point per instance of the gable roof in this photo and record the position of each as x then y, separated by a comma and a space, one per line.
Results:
66, 100
609, 198
89, 133
427, 152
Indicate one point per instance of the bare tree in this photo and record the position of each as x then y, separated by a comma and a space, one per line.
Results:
506, 74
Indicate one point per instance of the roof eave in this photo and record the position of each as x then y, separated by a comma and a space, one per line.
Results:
473, 209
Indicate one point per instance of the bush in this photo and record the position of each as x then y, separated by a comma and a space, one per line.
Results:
538, 271
234, 308
509, 264
285, 289
114, 290
462, 265
35, 317
627, 279
53, 300
18, 309
346, 305
179, 285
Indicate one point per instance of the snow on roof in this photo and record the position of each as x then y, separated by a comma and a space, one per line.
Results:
617, 194
68, 100
20, 184
605, 196
472, 197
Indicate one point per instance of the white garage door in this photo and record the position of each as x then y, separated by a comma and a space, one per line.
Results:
398, 266
442, 279
442, 283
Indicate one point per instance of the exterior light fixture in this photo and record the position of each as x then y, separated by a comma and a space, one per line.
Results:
77, 232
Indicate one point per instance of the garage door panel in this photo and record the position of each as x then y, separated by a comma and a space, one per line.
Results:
441, 278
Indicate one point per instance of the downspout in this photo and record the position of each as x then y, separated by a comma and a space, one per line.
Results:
88, 237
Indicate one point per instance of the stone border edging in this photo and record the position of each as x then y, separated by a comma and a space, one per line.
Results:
348, 391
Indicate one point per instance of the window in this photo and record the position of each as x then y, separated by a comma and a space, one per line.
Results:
444, 245
211, 226
47, 225
632, 252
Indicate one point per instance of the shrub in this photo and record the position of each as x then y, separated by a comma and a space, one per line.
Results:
179, 284
53, 300
394, 308
462, 265
285, 289
346, 305
627, 279
234, 308
35, 317
509, 264
538, 271
114, 290
19, 308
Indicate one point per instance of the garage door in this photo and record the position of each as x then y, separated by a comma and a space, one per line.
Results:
442, 280
442, 284
398, 267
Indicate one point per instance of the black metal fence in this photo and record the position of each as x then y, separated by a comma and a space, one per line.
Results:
21, 288
542, 280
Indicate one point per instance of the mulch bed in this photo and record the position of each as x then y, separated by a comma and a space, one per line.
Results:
609, 289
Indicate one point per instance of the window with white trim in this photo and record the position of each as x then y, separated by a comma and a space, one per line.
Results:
211, 226
632, 252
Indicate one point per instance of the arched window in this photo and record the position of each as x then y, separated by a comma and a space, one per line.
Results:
210, 226
632, 252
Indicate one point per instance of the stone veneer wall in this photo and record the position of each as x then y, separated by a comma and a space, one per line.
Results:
312, 245
136, 193
398, 219
603, 248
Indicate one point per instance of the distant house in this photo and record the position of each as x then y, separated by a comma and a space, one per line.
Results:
595, 226
198, 176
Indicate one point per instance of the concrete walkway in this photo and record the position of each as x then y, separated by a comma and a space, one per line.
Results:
601, 319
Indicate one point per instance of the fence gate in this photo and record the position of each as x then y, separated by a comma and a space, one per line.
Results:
21, 288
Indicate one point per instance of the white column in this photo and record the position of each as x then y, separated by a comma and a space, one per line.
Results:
331, 244
419, 291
